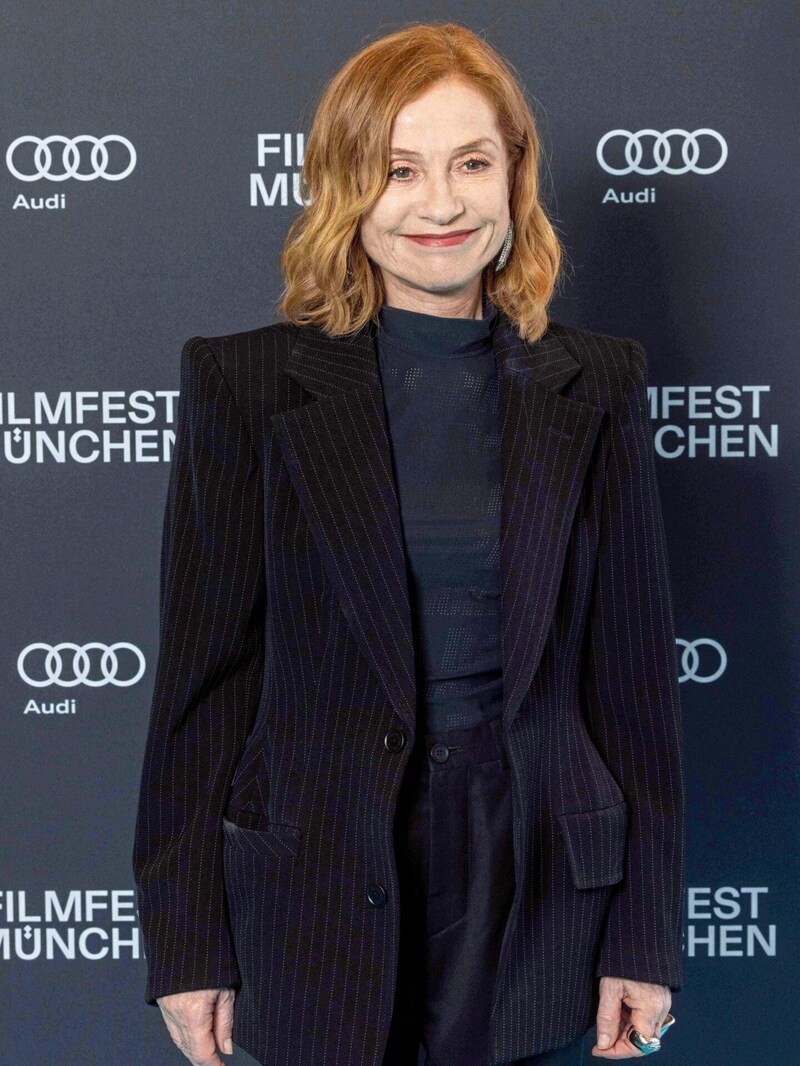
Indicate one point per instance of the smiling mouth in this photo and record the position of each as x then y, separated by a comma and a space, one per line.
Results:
440, 240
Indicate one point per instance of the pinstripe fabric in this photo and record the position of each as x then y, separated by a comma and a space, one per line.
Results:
268, 791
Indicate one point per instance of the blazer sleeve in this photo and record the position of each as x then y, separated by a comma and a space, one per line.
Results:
207, 683
633, 700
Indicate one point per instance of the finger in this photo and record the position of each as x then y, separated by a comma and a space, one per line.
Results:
203, 1059
189, 1025
666, 1023
608, 1016
664, 1016
223, 1021
625, 1041
619, 1048
646, 1021
628, 1033
199, 1047
184, 1044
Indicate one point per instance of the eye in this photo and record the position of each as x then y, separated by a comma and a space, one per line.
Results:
396, 169
482, 164
475, 159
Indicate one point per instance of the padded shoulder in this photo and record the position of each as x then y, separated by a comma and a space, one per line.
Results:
606, 361
251, 363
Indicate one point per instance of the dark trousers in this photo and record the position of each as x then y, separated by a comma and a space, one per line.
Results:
455, 855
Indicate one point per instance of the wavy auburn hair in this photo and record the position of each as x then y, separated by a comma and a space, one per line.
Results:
329, 281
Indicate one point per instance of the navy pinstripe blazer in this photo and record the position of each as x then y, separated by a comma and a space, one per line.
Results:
268, 786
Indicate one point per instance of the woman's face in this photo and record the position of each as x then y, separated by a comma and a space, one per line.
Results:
437, 186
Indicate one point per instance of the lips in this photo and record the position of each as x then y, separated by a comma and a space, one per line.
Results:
445, 241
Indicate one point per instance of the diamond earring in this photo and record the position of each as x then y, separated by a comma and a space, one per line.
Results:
502, 258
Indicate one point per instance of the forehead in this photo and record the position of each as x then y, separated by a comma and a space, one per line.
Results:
446, 115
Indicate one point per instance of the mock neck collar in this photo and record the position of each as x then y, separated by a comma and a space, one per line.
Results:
437, 335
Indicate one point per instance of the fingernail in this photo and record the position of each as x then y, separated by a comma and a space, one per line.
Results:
603, 1040
228, 1046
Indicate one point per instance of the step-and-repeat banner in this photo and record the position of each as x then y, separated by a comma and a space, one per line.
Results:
149, 172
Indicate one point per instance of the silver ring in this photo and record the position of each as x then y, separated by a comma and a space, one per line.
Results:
647, 1047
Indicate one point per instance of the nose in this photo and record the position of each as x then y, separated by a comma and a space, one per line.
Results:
439, 200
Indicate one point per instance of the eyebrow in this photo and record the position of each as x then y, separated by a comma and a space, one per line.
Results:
456, 151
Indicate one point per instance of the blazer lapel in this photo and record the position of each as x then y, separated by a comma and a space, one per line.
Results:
338, 456
337, 452
547, 439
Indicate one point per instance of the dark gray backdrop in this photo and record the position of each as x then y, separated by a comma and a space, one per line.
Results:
103, 286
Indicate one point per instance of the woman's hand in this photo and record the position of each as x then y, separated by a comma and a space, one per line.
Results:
625, 1003
200, 1023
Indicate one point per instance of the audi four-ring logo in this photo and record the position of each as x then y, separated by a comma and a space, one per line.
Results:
70, 157
690, 660
108, 667
662, 151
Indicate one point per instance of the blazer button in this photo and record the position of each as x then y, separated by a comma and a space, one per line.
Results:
376, 894
394, 740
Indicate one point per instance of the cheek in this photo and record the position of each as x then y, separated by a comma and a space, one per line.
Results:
497, 200
369, 234
376, 226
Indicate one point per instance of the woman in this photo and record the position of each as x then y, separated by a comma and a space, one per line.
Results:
412, 788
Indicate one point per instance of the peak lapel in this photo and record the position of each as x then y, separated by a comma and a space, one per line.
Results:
546, 441
338, 455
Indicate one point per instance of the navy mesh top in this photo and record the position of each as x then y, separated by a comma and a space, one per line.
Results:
440, 388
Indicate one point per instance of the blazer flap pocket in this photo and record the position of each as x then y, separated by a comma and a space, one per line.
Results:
595, 842
253, 833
